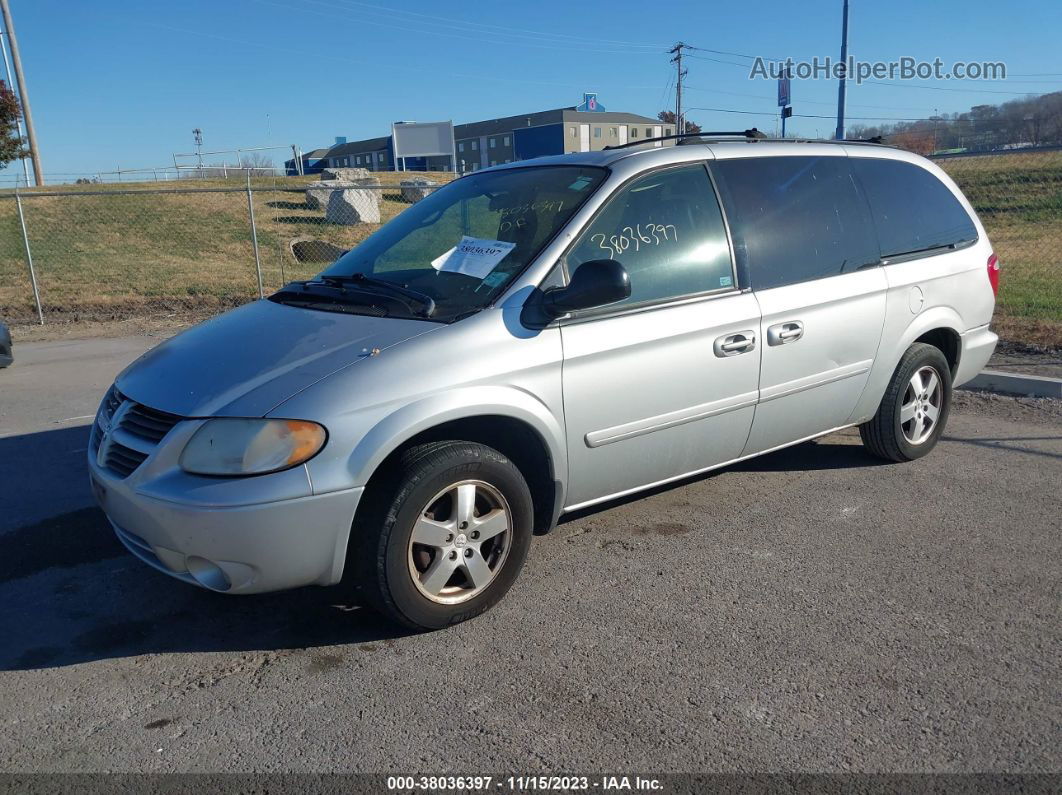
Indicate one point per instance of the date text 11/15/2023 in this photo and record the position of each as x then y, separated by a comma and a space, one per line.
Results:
535, 783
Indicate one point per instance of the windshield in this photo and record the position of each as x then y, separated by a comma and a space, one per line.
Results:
462, 245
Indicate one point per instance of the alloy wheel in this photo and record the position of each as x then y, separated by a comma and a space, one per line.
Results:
922, 402
460, 541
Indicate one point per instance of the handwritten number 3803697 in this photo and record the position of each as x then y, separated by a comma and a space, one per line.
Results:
638, 236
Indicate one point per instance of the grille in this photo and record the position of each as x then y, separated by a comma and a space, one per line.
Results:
148, 423
134, 432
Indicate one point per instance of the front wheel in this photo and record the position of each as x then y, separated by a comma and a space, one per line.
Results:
914, 410
449, 537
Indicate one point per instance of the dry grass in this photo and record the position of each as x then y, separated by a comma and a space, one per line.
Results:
118, 253
1019, 200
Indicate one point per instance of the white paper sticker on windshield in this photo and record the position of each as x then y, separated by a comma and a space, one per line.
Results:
473, 256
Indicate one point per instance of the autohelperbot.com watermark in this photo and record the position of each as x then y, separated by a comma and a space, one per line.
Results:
903, 68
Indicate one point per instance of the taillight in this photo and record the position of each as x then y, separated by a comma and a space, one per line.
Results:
993, 273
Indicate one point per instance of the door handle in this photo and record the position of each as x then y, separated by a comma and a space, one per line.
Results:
784, 333
734, 344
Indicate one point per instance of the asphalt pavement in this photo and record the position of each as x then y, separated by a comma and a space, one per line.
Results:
811, 610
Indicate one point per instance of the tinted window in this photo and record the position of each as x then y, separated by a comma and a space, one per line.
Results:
667, 230
795, 218
913, 210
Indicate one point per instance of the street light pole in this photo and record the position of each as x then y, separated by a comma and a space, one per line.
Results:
31, 134
841, 88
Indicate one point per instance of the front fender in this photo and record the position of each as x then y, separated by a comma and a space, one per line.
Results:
397, 428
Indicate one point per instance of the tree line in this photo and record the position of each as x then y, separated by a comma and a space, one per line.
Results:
1019, 123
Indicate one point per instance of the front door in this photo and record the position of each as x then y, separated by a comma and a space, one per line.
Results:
664, 383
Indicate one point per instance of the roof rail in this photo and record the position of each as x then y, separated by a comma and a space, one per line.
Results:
752, 136
748, 134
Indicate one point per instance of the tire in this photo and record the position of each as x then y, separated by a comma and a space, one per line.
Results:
898, 431
424, 497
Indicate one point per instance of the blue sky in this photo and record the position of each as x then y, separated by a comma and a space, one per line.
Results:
123, 83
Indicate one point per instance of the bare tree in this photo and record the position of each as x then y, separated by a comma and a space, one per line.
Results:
259, 161
668, 117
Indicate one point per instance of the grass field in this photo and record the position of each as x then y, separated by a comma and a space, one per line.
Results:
1019, 200
135, 249
130, 249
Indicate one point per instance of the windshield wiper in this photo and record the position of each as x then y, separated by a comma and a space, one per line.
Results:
326, 303
423, 299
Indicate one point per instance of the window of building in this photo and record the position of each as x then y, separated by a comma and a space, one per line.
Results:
505, 140
475, 145
613, 132
573, 131
912, 209
667, 230
667, 131
380, 156
634, 132
357, 160
597, 132
492, 142
648, 132
795, 219
461, 146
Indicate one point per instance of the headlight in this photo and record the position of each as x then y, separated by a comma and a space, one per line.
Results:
251, 447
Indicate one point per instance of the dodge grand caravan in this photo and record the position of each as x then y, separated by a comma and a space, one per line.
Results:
540, 337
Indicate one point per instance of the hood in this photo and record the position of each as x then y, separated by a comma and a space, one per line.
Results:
247, 361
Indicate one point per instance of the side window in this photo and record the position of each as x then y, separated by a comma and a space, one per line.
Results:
667, 230
912, 209
795, 219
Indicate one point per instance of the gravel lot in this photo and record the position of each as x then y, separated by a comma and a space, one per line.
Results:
811, 610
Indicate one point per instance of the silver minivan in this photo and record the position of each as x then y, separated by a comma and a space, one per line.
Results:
541, 337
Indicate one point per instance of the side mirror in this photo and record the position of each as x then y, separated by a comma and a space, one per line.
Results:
594, 283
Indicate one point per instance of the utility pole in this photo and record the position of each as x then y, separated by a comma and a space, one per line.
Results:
18, 121
677, 60
31, 134
841, 88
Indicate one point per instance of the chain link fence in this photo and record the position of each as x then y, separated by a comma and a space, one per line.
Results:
197, 248
1019, 199
120, 252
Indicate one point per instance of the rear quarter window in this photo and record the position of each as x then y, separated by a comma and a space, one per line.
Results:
795, 218
913, 210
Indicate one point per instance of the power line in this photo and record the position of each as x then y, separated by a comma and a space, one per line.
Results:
430, 27
719, 60
519, 31
688, 87
943, 88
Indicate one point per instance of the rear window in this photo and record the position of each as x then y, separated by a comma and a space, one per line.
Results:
913, 210
794, 219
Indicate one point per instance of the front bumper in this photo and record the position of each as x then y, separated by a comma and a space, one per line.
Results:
246, 548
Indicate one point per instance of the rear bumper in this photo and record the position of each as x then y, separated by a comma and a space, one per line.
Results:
978, 345
243, 549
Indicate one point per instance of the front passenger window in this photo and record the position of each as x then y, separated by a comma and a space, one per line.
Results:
667, 230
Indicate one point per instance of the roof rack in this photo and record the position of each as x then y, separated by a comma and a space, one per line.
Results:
752, 136
748, 134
